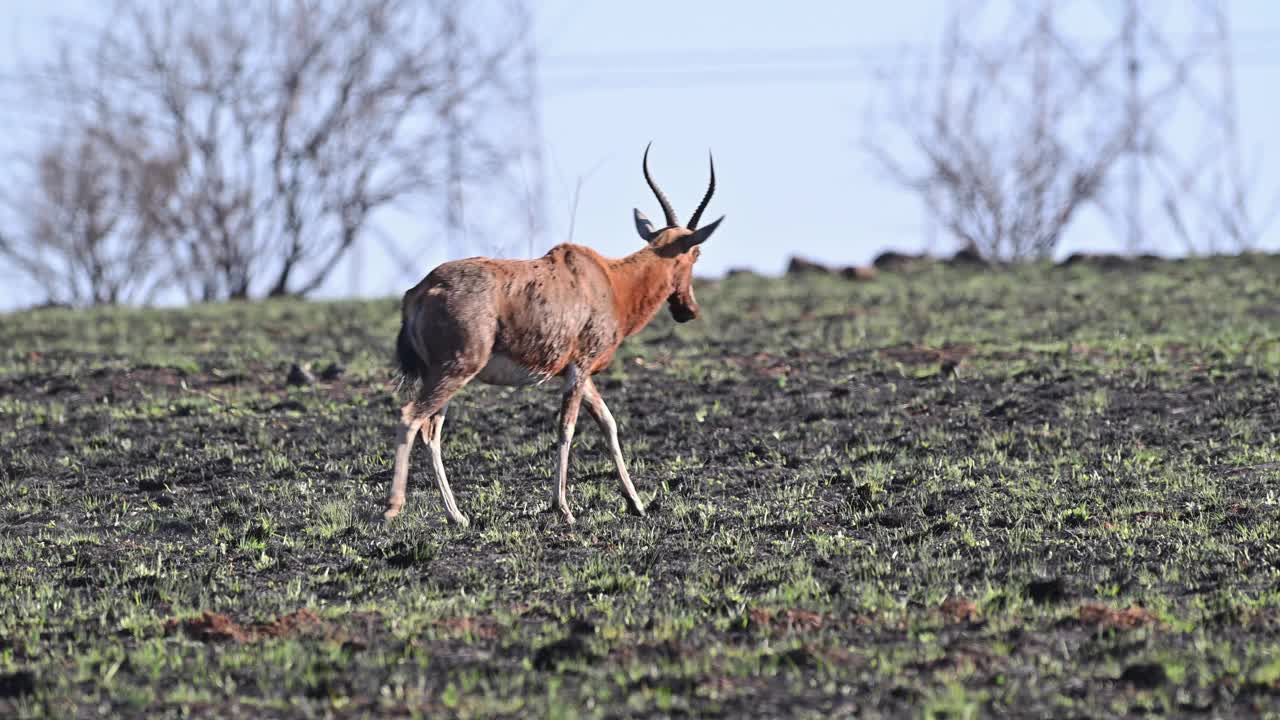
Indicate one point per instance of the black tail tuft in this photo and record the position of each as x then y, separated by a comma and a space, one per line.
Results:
410, 364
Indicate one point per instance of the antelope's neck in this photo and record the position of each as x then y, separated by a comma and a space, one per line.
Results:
641, 282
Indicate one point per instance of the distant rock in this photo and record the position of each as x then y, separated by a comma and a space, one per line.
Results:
17, 684
893, 261
332, 372
1145, 675
300, 375
800, 266
969, 256
1044, 591
858, 273
1104, 261
803, 266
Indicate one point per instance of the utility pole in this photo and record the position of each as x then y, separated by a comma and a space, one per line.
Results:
455, 227
535, 186
1240, 226
1133, 117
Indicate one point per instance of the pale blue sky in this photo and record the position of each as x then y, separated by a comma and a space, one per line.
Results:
778, 91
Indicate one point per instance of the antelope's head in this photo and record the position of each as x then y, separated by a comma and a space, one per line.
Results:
678, 244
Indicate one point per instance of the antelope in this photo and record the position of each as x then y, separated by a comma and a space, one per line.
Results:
524, 322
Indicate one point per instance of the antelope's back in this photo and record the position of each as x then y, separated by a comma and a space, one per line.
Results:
558, 309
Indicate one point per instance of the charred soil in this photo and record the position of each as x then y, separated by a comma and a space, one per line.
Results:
1049, 491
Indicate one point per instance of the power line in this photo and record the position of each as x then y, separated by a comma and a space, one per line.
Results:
767, 66
862, 52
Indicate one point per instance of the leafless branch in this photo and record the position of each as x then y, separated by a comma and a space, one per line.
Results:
1001, 143
283, 128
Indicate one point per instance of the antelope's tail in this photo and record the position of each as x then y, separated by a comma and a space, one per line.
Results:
412, 365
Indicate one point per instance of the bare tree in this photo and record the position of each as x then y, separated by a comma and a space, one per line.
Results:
75, 224
290, 123
1003, 147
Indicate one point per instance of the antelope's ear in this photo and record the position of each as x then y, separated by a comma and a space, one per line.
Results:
644, 226
699, 236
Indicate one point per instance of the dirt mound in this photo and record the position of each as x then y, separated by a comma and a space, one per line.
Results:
216, 627
299, 622
959, 609
209, 627
791, 620
1126, 619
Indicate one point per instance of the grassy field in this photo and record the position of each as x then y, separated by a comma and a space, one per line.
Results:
1046, 492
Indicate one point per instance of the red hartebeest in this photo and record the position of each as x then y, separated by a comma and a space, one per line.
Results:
522, 322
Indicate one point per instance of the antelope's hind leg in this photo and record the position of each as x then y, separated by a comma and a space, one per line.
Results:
431, 435
405, 434
600, 412
425, 415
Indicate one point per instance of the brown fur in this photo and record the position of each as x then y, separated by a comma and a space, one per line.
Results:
581, 304
519, 321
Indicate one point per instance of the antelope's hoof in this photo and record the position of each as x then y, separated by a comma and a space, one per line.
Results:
564, 512
391, 513
461, 521
637, 510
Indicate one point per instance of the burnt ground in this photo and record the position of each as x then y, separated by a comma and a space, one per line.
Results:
1045, 492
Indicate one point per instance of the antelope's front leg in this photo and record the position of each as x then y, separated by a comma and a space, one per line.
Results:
568, 420
604, 418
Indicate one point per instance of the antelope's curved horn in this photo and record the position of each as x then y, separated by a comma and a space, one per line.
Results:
711, 189
667, 210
